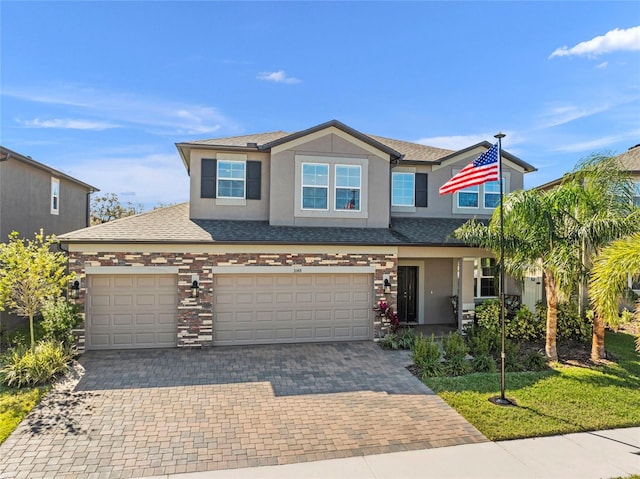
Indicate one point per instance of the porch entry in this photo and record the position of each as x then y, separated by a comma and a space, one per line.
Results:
408, 294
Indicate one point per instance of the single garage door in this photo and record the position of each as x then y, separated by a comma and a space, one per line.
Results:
291, 308
131, 311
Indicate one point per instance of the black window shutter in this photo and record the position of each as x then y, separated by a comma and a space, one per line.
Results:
254, 179
421, 189
208, 178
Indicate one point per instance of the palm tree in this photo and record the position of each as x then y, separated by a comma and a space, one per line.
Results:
537, 234
609, 278
603, 211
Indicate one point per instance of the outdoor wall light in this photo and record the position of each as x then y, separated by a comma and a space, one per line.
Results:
75, 289
195, 288
387, 286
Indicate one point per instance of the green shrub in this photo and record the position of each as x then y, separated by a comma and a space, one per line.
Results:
401, 339
570, 326
534, 361
406, 338
482, 341
59, 317
488, 316
525, 326
511, 356
484, 363
426, 356
23, 366
455, 355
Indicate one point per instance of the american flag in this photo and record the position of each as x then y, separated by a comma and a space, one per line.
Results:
482, 169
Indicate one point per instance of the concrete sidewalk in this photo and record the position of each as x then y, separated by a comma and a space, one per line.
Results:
598, 454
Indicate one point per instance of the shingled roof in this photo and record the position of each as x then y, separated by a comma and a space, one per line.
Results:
173, 225
261, 141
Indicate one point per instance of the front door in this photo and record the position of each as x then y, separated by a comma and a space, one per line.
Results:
407, 293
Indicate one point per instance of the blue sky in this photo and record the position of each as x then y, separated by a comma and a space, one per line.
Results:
103, 90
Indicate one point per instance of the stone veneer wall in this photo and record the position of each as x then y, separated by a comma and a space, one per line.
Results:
195, 315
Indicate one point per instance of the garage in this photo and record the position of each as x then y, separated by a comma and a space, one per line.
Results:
131, 311
291, 308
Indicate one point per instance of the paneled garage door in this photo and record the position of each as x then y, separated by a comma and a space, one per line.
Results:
291, 308
131, 311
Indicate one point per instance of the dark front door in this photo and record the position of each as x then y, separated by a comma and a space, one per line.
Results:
407, 293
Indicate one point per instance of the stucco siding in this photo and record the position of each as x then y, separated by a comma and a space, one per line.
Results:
213, 208
25, 205
285, 185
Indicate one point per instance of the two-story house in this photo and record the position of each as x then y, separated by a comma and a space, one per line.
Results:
34, 196
290, 237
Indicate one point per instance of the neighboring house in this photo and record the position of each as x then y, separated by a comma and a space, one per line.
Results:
34, 196
290, 237
629, 161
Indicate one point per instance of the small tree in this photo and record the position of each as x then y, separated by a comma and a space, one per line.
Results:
30, 274
107, 208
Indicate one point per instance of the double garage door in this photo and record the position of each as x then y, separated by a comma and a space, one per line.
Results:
291, 308
131, 311
140, 311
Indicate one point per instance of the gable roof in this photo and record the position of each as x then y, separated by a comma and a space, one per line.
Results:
172, 225
403, 151
629, 161
6, 154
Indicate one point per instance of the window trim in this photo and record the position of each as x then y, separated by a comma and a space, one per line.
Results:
479, 276
336, 188
413, 192
303, 186
219, 178
54, 200
465, 191
485, 193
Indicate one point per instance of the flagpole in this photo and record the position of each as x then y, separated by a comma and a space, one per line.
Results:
502, 400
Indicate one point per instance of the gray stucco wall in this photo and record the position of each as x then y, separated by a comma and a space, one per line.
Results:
213, 208
285, 185
446, 206
25, 202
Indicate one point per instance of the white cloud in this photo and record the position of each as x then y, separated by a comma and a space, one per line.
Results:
148, 179
67, 123
614, 40
278, 77
598, 143
602, 65
157, 115
559, 115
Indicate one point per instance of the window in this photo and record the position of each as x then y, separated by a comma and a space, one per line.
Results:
347, 187
231, 179
486, 273
468, 198
402, 189
636, 194
55, 196
492, 194
315, 186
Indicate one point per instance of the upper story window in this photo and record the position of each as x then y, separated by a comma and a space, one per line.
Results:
491, 194
348, 181
55, 196
231, 179
315, 186
403, 189
468, 198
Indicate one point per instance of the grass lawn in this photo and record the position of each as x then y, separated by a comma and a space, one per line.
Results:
561, 400
15, 404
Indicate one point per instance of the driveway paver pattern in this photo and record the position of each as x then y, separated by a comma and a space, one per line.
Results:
125, 414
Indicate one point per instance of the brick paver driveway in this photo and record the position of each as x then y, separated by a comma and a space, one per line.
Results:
141, 413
